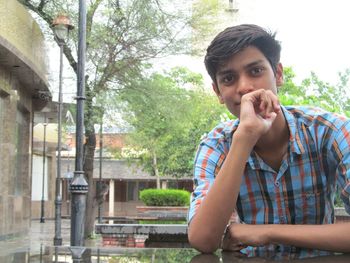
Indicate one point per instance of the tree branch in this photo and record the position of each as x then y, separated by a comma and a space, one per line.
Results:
90, 16
42, 4
48, 19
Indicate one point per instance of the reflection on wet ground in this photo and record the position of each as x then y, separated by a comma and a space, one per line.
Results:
38, 247
67, 254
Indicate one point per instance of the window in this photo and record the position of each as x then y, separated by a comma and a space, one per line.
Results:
132, 193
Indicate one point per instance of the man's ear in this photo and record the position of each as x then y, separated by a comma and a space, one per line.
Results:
217, 92
279, 75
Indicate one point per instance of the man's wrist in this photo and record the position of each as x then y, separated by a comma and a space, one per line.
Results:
269, 233
246, 137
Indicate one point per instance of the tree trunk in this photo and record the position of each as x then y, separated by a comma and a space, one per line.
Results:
155, 169
89, 156
91, 203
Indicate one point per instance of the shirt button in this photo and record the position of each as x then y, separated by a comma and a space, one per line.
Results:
277, 183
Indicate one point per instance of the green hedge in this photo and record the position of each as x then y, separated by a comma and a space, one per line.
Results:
165, 197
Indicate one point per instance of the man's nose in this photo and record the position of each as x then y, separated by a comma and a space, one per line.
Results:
245, 86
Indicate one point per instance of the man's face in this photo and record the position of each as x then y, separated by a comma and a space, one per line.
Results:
246, 71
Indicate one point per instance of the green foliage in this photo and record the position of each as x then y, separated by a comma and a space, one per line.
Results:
121, 37
208, 18
114, 151
205, 21
169, 114
338, 202
175, 256
165, 197
315, 92
155, 255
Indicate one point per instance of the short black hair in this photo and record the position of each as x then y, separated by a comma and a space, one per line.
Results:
236, 38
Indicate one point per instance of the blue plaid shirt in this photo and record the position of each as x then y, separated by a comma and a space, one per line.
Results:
302, 191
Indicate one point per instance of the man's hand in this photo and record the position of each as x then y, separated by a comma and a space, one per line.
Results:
330, 237
240, 236
258, 111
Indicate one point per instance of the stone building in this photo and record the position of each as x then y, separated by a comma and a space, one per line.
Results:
125, 179
23, 91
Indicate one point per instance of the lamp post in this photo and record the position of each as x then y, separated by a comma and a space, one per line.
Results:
61, 27
100, 205
79, 186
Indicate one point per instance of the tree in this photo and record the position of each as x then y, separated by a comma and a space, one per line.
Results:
169, 115
313, 91
210, 17
121, 36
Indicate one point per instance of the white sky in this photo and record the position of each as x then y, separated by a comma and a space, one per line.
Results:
315, 34
315, 37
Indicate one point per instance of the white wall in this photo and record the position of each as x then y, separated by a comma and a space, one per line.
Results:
37, 178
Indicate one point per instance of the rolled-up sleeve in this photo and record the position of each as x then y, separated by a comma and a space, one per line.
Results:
208, 161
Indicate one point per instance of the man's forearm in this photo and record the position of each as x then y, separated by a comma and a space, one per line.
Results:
331, 237
258, 111
207, 226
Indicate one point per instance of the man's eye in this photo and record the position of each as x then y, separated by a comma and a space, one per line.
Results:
227, 79
257, 71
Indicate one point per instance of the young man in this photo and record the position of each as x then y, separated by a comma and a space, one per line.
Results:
275, 168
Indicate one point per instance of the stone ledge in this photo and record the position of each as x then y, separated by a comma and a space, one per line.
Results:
146, 229
147, 235
340, 211
163, 212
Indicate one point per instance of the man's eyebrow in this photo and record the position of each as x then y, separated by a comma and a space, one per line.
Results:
249, 65
224, 72
254, 63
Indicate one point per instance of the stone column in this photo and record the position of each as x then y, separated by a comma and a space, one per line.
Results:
111, 200
164, 184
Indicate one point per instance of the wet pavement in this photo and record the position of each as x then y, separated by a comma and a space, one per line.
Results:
42, 235
38, 247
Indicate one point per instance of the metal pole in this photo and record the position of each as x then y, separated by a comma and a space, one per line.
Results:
79, 186
42, 217
100, 175
41, 253
57, 241
68, 182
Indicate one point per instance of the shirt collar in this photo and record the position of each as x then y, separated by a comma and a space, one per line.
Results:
294, 138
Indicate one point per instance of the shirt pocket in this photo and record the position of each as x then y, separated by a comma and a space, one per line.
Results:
252, 211
310, 208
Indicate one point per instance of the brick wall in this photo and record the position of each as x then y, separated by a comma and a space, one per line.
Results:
113, 140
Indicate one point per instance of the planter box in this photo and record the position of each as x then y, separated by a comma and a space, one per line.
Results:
341, 215
149, 235
163, 212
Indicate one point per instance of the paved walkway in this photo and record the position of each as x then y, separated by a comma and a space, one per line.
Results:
41, 235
